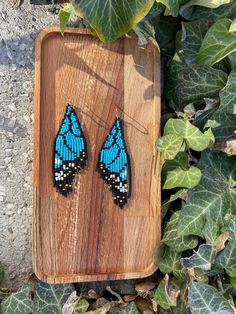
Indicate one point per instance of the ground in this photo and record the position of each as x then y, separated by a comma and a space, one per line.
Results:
20, 22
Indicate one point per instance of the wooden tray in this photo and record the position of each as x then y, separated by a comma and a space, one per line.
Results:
86, 237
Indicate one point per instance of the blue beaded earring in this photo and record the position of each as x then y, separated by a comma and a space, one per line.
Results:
114, 164
70, 152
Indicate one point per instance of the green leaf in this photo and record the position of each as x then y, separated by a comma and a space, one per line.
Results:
226, 259
231, 227
161, 296
173, 197
178, 173
170, 262
171, 90
111, 19
19, 302
165, 294
51, 298
166, 40
207, 3
81, 307
129, 309
222, 125
64, 16
158, 253
199, 12
202, 258
169, 145
146, 28
200, 81
232, 28
195, 139
228, 95
218, 43
173, 5
213, 198
181, 160
173, 240
1, 272
192, 37
204, 299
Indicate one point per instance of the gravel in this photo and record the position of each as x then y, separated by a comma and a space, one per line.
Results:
19, 25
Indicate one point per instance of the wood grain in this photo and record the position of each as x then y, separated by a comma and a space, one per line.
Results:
86, 237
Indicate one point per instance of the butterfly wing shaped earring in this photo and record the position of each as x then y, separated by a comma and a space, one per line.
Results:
70, 152
114, 164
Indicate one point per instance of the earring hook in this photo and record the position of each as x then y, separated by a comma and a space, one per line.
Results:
117, 112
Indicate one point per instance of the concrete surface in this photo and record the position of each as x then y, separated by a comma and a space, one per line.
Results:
20, 22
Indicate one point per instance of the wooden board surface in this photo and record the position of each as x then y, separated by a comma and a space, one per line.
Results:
85, 236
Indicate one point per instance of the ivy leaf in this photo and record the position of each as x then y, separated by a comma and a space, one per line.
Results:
51, 298
199, 12
169, 145
129, 309
81, 307
218, 43
204, 299
173, 240
19, 302
207, 3
231, 227
171, 90
214, 197
192, 37
232, 28
195, 139
170, 262
165, 294
181, 193
228, 96
178, 173
226, 259
200, 81
166, 40
161, 296
111, 19
64, 16
202, 258
173, 5
222, 125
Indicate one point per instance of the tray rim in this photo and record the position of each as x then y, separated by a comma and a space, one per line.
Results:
68, 278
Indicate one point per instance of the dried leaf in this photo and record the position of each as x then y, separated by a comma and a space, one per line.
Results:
99, 303
102, 310
69, 305
221, 240
129, 297
144, 288
115, 294
165, 295
143, 304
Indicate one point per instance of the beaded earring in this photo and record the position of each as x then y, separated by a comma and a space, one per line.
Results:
70, 152
114, 164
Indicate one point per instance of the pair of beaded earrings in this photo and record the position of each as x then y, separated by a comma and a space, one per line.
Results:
70, 156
